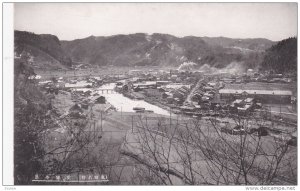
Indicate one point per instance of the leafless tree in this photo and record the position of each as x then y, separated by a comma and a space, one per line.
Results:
212, 152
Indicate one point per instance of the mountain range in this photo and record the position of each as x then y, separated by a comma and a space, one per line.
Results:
142, 49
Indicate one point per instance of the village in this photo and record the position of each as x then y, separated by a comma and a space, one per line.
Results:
118, 106
196, 93
151, 94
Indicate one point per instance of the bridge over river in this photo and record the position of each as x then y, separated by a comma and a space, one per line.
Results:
107, 91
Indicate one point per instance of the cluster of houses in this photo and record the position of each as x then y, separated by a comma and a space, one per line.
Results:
174, 76
243, 106
55, 84
79, 91
205, 93
264, 96
255, 77
162, 91
173, 87
79, 109
175, 95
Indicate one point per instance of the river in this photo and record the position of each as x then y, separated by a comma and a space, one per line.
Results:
122, 103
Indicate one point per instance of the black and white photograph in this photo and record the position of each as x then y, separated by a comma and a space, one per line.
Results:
147, 94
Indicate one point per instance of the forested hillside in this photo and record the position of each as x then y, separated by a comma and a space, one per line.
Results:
165, 50
141, 49
31, 118
282, 57
45, 49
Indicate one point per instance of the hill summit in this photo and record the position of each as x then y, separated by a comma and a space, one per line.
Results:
141, 49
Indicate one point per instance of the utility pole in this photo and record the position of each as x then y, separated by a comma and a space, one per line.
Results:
121, 113
271, 115
280, 107
101, 121
170, 117
94, 130
132, 123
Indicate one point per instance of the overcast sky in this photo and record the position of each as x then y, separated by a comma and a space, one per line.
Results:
274, 21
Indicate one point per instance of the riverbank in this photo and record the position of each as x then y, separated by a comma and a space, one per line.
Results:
170, 108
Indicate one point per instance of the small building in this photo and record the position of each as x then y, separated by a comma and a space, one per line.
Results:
87, 93
170, 100
200, 92
207, 94
208, 88
162, 90
166, 95
100, 100
228, 80
174, 77
205, 99
212, 84
76, 111
152, 92
125, 88
178, 94
175, 86
185, 88
160, 83
135, 72
145, 85
178, 101
196, 97
187, 108
80, 84
249, 100
238, 103
183, 91
84, 104
243, 110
